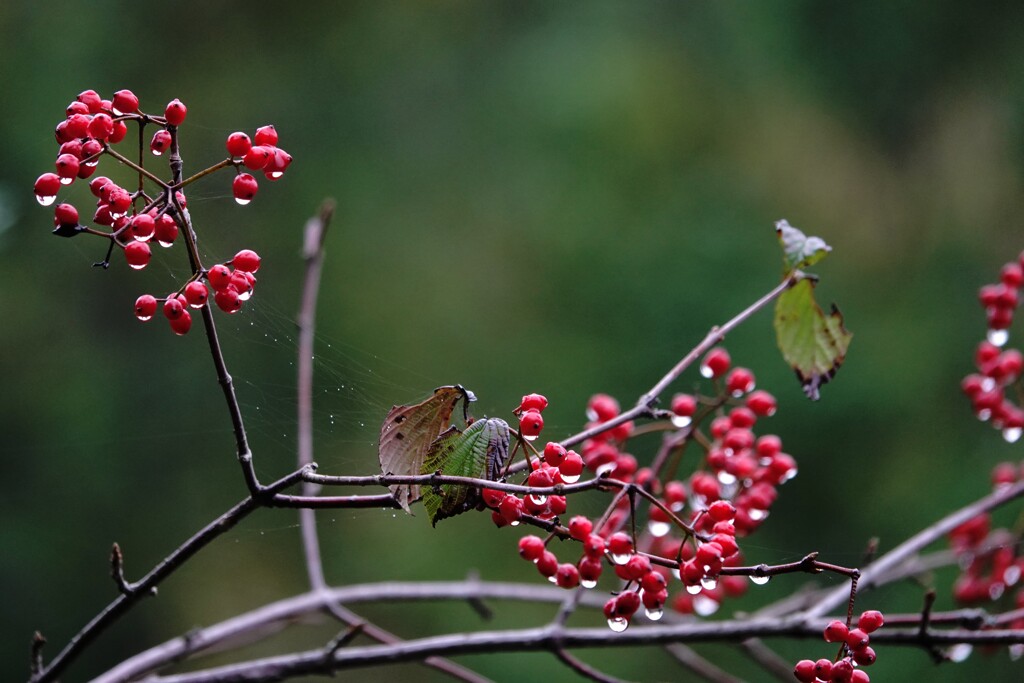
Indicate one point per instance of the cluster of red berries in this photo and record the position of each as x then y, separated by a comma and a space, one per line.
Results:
856, 651
998, 368
92, 124
693, 528
264, 156
232, 283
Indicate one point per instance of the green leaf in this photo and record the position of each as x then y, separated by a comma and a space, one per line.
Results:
799, 250
813, 343
408, 432
480, 452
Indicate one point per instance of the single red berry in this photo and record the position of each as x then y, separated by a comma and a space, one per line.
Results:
590, 568
857, 638
541, 478
244, 187
78, 125
715, 363
865, 656
571, 467
90, 149
684, 405
46, 188
160, 143
238, 144
182, 324
137, 254
532, 402
627, 604
531, 424
101, 126
256, 158
492, 497
219, 277
266, 135
554, 453
823, 668
842, 671
278, 162
511, 508
196, 294
120, 130
175, 112
836, 631
241, 284
653, 582
246, 260
91, 99
636, 567
67, 168
125, 102
166, 230
594, 546
762, 403
173, 308
142, 227
145, 307
72, 147
531, 548
804, 671
227, 300
870, 621
61, 132
547, 563
567, 576
740, 381
620, 544
859, 676
721, 511
602, 408
65, 214
76, 107
580, 527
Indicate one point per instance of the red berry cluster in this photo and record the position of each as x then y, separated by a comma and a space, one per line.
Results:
694, 525
133, 219
856, 651
998, 369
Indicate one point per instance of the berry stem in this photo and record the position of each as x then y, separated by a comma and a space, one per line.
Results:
134, 166
205, 172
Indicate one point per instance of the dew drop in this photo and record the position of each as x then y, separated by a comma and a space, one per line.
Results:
658, 529
241, 201
538, 500
706, 372
790, 473
515, 523
694, 590
552, 579
92, 164
244, 296
601, 470
46, 200
157, 153
984, 414
996, 590
704, 606
274, 175
144, 318
620, 559
995, 337
1016, 651
66, 181
757, 515
1011, 575
709, 583
618, 624
136, 266
988, 384
960, 652
759, 580
1012, 434
570, 478
726, 478
654, 614
531, 438
681, 421
588, 583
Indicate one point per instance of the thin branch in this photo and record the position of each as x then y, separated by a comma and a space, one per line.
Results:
689, 658
768, 659
584, 669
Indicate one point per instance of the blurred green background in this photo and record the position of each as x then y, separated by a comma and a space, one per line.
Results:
552, 197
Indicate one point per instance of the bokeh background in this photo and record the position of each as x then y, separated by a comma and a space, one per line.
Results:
553, 197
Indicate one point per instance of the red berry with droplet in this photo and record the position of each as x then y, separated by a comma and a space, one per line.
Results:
182, 324
836, 631
47, 185
65, 214
145, 307
227, 300
160, 143
266, 135
740, 381
531, 424
244, 187
238, 144
602, 408
870, 621
571, 467
554, 453
142, 227
125, 102
684, 405
531, 548
196, 294
715, 363
247, 260
137, 254
67, 166
620, 543
533, 402
175, 112
567, 576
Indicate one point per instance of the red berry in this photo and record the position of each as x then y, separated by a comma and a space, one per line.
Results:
567, 576
244, 187
627, 604
65, 214
857, 638
182, 324
653, 582
173, 308
804, 671
594, 546
620, 544
166, 230
91, 99
492, 497
266, 135
721, 511
541, 478
256, 158
740, 381
554, 453
137, 254
246, 260
511, 508
836, 631
160, 143
101, 126
602, 408
547, 563
78, 125
125, 102
762, 403
67, 167
571, 467
531, 424
636, 567
145, 307
175, 112
227, 300
277, 163
859, 676
46, 187
120, 130
865, 656
196, 294
142, 227
823, 669
715, 363
870, 621
238, 144
90, 149
531, 547
532, 402
590, 568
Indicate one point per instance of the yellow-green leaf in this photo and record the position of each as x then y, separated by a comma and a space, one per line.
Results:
813, 343
408, 432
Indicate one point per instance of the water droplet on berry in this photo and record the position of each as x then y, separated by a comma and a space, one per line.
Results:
706, 372
274, 175
726, 478
46, 200
605, 468
704, 606
538, 500
620, 559
515, 523
693, 590
988, 384
995, 337
658, 529
759, 580
984, 414
757, 515
681, 421
1016, 651
552, 579
66, 181
618, 624
588, 583
144, 318
570, 478
241, 201
92, 164
1011, 575
531, 438
157, 152
654, 614
996, 590
1012, 434
709, 583
959, 652
136, 266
